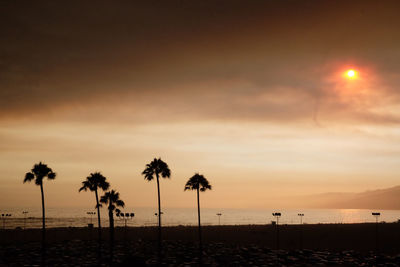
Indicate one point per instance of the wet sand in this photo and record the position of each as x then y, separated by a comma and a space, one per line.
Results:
251, 245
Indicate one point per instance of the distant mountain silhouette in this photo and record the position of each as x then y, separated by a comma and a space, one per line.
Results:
388, 199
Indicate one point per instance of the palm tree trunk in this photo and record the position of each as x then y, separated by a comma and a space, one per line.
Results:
110, 214
159, 204
43, 213
98, 213
159, 220
198, 216
43, 258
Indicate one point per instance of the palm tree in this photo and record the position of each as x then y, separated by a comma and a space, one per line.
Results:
39, 172
199, 183
112, 199
94, 182
158, 168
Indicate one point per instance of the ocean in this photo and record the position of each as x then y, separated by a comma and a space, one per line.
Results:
78, 217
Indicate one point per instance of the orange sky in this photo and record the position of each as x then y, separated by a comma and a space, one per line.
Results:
253, 96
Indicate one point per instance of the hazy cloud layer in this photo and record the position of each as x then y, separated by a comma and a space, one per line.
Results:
181, 60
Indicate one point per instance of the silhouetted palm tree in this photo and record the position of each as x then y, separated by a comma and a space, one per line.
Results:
94, 182
112, 199
199, 183
158, 168
38, 173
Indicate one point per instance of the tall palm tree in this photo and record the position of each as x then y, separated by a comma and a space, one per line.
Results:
94, 182
112, 199
199, 183
157, 168
38, 173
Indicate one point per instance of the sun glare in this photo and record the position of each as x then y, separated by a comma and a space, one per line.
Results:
351, 74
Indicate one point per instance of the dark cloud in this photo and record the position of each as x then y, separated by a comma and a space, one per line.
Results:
234, 60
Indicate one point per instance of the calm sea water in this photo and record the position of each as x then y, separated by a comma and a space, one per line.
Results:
77, 217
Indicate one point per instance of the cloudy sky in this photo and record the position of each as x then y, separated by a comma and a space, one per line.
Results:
252, 94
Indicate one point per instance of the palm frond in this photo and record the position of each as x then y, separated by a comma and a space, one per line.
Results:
120, 203
104, 199
111, 198
148, 172
51, 175
104, 185
94, 181
156, 167
197, 181
29, 177
85, 186
165, 172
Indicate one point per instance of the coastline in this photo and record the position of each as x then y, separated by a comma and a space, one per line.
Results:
240, 245
336, 237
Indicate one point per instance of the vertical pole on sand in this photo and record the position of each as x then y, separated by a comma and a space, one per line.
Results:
277, 215
4, 216
376, 215
126, 216
301, 215
219, 218
25, 213
277, 232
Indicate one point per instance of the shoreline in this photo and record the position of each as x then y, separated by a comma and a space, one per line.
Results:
336, 237
244, 245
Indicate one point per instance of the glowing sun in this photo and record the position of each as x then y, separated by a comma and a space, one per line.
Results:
351, 74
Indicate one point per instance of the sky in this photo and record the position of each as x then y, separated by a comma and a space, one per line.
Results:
251, 94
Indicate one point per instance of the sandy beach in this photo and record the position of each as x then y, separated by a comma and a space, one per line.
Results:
252, 245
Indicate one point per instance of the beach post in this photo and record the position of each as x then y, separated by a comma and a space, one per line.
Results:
376, 215
277, 215
91, 213
301, 215
219, 218
4, 216
25, 213
128, 216
90, 225
125, 217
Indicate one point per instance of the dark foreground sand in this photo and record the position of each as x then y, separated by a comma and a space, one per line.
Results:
306, 245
